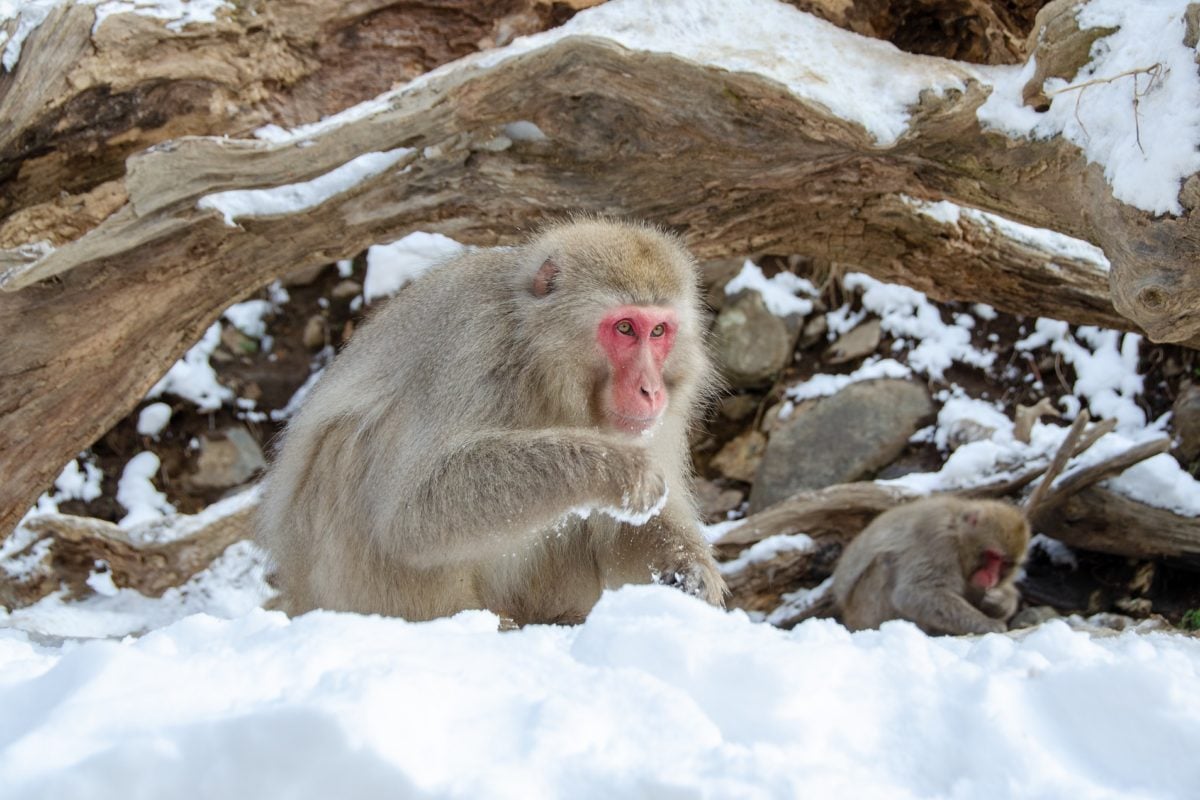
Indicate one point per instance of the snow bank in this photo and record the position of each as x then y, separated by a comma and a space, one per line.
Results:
1142, 129
655, 695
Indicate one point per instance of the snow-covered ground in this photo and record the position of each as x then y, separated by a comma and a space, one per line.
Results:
656, 695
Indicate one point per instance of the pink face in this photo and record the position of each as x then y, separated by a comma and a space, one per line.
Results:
988, 575
637, 340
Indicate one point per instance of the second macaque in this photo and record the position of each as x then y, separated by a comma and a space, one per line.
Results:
944, 563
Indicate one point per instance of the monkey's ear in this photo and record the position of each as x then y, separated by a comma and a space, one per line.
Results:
543, 280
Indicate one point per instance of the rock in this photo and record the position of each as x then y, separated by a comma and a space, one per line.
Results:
841, 438
1186, 422
1032, 617
750, 343
714, 500
855, 344
737, 407
228, 461
346, 290
1139, 607
814, 331
714, 275
303, 277
315, 332
740, 457
237, 342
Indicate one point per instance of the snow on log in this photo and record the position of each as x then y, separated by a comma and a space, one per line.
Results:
748, 129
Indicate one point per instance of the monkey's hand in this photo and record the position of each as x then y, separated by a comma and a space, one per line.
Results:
1000, 602
699, 578
938, 610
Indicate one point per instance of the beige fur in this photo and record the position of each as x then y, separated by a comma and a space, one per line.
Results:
915, 561
433, 467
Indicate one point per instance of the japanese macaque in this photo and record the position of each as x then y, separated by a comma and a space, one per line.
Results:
509, 433
945, 563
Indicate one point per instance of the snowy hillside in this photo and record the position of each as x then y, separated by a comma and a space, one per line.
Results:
656, 695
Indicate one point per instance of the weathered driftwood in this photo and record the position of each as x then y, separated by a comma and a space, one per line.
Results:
76, 544
79, 103
732, 160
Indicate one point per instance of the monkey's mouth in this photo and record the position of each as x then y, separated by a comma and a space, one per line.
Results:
634, 424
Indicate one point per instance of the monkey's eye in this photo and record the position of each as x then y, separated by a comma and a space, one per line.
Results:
625, 328
659, 330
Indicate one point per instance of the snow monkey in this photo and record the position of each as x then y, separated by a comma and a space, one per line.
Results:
509, 433
945, 563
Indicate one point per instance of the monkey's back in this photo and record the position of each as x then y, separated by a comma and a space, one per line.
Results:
383, 408
902, 538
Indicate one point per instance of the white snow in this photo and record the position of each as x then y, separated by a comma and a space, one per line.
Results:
863, 80
1051, 242
1105, 363
766, 549
873, 368
233, 585
656, 695
391, 266
779, 293
179, 13
137, 493
153, 418
293, 197
1159, 481
249, 317
193, 378
72, 483
1143, 130
29, 14
906, 314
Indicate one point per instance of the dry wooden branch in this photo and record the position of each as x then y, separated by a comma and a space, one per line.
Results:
78, 543
1082, 478
1099, 519
1065, 451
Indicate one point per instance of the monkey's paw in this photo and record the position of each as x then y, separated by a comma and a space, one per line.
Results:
641, 501
697, 578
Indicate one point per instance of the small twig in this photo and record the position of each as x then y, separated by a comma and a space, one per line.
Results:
1065, 451
1155, 73
1154, 69
1085, 477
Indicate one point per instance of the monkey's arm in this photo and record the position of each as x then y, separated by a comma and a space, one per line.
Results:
1000, 602
939, 609
494, 487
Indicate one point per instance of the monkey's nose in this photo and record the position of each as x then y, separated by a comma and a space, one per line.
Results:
653, 396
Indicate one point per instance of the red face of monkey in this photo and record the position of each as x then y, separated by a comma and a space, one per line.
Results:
995, 567
637, 340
